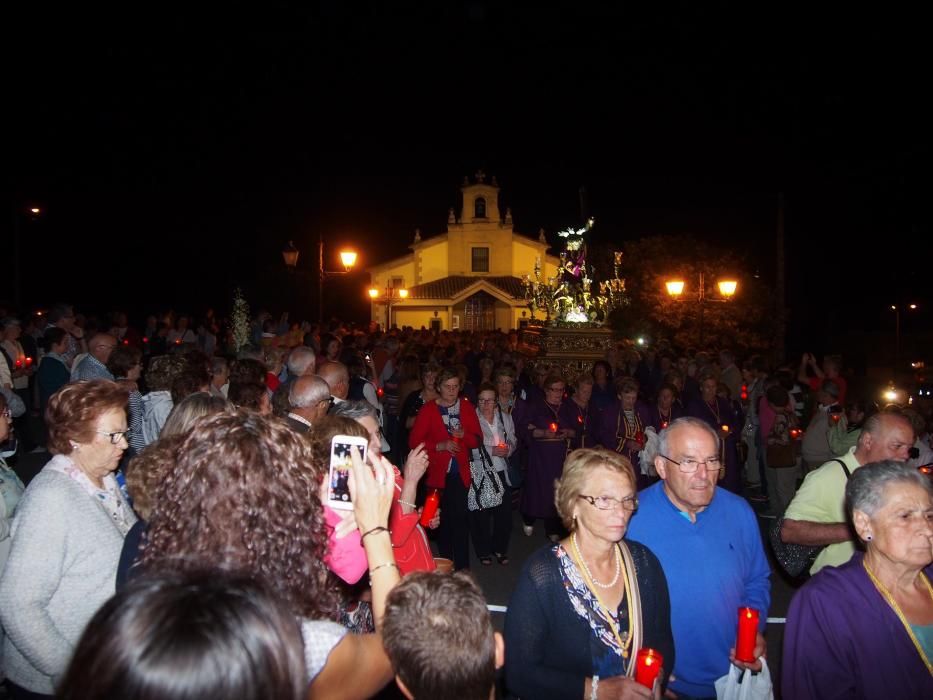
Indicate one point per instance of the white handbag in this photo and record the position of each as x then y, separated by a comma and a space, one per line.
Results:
745, 685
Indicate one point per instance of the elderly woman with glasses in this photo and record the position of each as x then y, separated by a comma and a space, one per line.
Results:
582, 608
865, 629
67, 536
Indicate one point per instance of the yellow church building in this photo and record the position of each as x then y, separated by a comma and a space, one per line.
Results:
470, 277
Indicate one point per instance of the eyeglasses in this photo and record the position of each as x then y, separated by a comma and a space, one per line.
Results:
6, 413
690, 465
115, 437
629, 503
485, 401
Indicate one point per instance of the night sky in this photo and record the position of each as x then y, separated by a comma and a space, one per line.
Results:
175, 154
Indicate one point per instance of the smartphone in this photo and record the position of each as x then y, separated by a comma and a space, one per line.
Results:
338, 476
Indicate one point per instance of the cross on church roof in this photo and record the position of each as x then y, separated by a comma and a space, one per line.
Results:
480, 176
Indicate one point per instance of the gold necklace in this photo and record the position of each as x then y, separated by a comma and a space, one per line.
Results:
900, 614
624, 646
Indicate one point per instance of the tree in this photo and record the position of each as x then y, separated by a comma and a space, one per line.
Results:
649, 262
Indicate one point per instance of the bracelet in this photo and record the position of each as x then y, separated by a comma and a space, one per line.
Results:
370, 532
406, 503
382, 566
594, 688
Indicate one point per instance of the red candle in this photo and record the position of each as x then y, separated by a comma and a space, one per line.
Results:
580, 420
553, 427
663, 424
747, 634
430, 508
647, 666
19, 363
835, 417
28, 361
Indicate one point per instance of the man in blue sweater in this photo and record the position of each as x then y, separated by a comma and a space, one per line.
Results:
710, 548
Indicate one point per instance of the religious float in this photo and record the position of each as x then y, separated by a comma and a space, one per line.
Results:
569, 326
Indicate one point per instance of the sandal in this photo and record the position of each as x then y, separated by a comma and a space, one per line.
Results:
501, 558
485, 561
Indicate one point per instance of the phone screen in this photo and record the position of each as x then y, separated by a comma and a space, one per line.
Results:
338, 492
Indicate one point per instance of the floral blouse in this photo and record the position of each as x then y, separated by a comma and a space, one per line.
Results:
604, 647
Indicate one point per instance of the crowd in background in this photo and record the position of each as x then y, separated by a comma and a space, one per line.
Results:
143, 459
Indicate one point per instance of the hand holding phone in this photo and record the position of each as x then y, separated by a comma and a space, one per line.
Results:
338, 476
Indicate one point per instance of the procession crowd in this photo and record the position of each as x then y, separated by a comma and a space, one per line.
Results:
171, 525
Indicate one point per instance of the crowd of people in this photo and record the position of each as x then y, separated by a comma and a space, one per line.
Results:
166, 530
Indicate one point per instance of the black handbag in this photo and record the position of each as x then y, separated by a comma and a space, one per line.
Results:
795, 559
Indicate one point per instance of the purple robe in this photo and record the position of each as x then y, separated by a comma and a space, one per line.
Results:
583, 420
843, 640
612, 428
652, 415
723, 415
545, 458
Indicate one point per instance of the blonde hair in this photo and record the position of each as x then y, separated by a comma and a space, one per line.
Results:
578, 467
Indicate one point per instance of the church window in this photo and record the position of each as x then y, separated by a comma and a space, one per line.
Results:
480, 260
479, 208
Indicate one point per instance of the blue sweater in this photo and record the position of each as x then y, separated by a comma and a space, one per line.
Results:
713, 567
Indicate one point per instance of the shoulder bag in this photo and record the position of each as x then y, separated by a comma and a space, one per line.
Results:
795, 559
485, 485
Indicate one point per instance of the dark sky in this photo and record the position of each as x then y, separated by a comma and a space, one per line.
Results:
175, 153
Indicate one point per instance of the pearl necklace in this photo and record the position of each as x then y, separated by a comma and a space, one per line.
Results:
589, 573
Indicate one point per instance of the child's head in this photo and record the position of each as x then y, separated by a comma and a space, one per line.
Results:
439, 637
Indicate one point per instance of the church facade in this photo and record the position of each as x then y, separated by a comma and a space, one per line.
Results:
470, 277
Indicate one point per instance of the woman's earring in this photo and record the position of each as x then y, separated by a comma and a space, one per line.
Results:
868, 538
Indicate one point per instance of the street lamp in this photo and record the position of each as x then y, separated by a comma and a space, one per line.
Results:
897, 335
727, 289
390, 292
290, 256
347, 257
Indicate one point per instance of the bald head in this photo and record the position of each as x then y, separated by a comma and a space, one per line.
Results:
885, 436
337, 378
101, 346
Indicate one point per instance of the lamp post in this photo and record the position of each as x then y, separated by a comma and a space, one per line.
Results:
390, 292
32, 212
896, 308
727, 288
347, 258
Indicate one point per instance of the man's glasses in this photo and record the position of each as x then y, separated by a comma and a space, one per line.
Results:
690, 465
115, 437
629, 503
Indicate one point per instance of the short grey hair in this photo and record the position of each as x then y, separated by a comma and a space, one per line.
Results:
305, 392
684, 422
354, 410
300, 359
866, 489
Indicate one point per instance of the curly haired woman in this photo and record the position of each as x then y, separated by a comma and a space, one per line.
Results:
243, 497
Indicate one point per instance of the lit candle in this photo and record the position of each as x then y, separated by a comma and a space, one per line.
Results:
647, 666
553, 427
580, 420
663, 424
19, 363
28, 361
725, 428
747, 634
